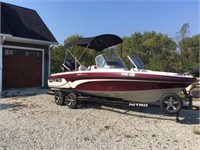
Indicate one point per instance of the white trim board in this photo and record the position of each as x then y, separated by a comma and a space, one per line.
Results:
27, 40
1, 67
49, 61
31, 49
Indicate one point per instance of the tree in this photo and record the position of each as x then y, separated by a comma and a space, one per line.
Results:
153, 48
182, 34
57, 58
76, 50
188, 49
190, 52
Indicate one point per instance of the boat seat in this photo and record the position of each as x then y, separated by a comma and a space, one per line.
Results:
93, 67
82, 68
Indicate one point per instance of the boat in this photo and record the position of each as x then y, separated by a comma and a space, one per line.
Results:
110, 79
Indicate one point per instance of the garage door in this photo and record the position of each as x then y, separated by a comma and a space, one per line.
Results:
21, 68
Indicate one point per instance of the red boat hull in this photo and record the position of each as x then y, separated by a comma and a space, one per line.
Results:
124, 85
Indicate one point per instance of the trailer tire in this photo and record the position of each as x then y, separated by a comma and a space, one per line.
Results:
195, 92
59, 98
71, 100
171, 103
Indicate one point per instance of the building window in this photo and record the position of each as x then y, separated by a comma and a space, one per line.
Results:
8, 52
33, 53
28, 53
12, 52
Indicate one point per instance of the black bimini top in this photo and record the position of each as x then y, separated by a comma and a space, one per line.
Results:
97, 43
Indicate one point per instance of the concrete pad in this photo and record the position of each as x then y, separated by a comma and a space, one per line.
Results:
24, 92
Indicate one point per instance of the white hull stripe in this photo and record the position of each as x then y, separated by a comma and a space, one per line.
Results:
74, 84
135, 96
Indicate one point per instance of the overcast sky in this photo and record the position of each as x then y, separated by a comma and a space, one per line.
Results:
121, 17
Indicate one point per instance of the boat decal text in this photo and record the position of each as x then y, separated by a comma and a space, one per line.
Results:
138, 105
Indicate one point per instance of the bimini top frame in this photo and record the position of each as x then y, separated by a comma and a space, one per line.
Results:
97, 43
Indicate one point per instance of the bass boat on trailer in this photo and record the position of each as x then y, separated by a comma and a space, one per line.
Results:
110, 78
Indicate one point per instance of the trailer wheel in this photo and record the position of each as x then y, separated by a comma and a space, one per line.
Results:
171, 103
71, 100
195, 92
59, 98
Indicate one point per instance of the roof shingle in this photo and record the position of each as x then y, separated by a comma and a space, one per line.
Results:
23, 22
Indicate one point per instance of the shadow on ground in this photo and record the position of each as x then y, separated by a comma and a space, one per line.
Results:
23, 92
185, 116
10, 106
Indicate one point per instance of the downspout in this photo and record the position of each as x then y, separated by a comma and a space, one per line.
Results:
49, 59
2, 39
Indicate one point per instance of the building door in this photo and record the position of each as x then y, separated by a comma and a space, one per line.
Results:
22, 68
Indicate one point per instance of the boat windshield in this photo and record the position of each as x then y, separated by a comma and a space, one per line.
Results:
109, 61
136, 61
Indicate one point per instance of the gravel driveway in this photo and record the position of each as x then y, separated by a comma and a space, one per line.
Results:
36, 122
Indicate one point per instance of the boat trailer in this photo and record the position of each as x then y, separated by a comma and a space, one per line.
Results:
74, 100
137, 104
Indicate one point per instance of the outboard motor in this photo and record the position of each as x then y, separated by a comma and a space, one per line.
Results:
69, 65
195, 90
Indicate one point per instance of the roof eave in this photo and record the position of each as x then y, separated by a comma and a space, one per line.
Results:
30, 41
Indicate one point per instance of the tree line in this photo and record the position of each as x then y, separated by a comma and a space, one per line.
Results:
158, 51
